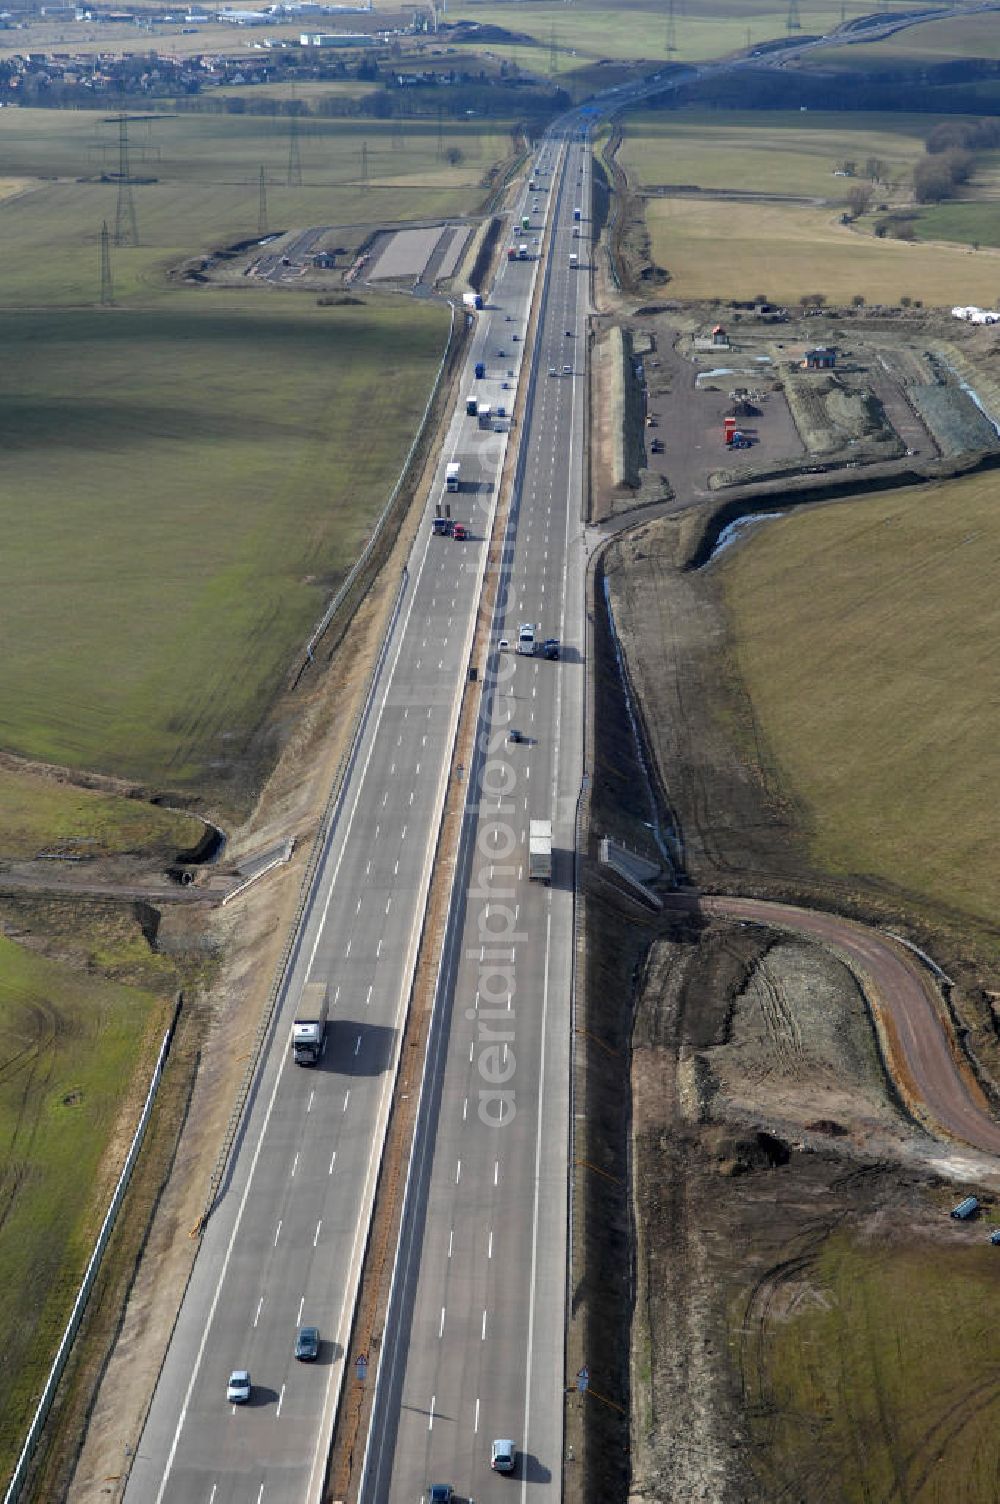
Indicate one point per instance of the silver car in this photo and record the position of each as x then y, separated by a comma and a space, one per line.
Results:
503, 1455
238, 1388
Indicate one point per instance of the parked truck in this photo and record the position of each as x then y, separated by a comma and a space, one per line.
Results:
310, 1026
540, 850
451, 476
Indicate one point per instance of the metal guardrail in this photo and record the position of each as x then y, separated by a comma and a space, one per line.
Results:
284, 965
91, 1272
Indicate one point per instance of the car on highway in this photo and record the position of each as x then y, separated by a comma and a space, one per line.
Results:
504, 644
440, 1493
549, 648
513, 735
501, 355
567, 370
553, 371
307, 1344
503, 1455
238, 1388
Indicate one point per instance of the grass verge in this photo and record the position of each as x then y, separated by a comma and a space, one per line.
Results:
68, 1042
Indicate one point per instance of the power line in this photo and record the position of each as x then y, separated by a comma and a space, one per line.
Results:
294, 155
126, 229
107, 290
262, 205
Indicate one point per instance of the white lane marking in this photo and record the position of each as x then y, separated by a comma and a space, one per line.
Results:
411, 796
489, 1246
458, 1172
377, 829
378, 950
357, 1045
534, 1216
482, 1335
259, 1306
211, 1497
388, 902
347, 1098
368, 866
403, 834
319, 1224
441, 1325
302, 1303
451, 1241
430, 1416
295, 1164
392, 771
347, 952
358, 909
368, 999
475, 1424
277, 1233
260, 1493
281, 1401
496, 1172
465, 1110
472, 1050
385, 798
309, 1104
333, 1161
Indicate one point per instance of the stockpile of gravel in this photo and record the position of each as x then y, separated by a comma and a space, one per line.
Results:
953, 418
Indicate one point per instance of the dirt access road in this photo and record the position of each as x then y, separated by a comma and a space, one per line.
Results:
933, 1082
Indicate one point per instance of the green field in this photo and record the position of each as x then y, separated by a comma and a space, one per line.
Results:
866, 634
715, 249
956, 38
189, 474
42, 815
206, 191
971, 224
68, 1042
874, 1377
588, 30
183, 487
761, 152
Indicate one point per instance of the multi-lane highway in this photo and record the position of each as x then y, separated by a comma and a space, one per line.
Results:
474, 1348
284, 1244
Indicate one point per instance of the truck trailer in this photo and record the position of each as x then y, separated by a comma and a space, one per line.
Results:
310, 1026
451, 476
472, 300
540, 850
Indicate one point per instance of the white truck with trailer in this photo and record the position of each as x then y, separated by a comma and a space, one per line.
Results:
309, 1028
540, 850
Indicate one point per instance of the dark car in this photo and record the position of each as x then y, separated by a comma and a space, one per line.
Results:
307, 1344
440, 1493
513, 735
550, 648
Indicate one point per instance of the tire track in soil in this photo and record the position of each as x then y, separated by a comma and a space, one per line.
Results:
38, 1063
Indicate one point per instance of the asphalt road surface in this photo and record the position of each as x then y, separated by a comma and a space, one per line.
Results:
474, 1345
284, 1244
